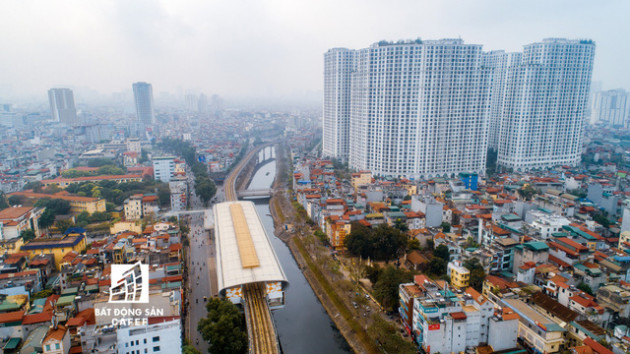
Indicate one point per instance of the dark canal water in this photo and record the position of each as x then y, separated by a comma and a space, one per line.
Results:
303, 325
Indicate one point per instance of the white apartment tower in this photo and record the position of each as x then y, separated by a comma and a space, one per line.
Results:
62, 105
612, 108
499, 61
164, 168
419, 108
544, 104
338, 67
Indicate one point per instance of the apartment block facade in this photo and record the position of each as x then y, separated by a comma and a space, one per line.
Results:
544, 103
424, 109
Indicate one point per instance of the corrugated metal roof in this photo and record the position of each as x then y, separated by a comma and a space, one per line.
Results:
230, 269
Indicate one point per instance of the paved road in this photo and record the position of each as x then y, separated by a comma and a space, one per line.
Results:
202, 265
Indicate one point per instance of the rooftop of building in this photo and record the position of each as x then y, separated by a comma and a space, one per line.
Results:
235, 266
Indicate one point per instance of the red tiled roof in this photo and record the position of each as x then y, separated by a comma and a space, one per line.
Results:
14, 316
37, 318
597, 348
13, 213
56, 334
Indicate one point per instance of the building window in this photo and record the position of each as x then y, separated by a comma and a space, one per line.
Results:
156, 349
156, 339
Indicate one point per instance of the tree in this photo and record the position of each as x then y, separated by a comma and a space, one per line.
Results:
357, 270
389, 243
470, 242
491, 161
224, 327
42, 294
446, 227
437, 266
63, 225
441, 251
601, 219
527, 192
46, 219
16, 200
144, 156
36, 186
382, 242
205, 189
27, 235
430, 244
585, 288
56, 206
189, 349
386, 288
164, 196
372, 273
401, 225
477, 278
477, 273
100, 161
388, 338
413, 244
110, 170
4, 203
358, 241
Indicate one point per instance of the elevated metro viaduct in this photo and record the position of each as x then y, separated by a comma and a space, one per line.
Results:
248, 271
245, 254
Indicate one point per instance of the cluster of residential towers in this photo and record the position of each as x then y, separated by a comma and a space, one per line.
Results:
433, 107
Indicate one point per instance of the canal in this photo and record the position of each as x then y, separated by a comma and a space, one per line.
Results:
303, 325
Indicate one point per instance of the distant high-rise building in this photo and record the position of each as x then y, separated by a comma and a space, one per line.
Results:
217, 103
62, 105
191, 102
8, 118
612, 108
143, 96
202, 104
416, 109
544, 103
338, 66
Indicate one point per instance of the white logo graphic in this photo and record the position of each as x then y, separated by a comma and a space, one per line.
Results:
130, 283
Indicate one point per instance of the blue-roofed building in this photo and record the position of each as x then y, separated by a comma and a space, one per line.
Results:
57, 246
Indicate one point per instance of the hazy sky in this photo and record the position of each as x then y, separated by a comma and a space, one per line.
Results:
268, 48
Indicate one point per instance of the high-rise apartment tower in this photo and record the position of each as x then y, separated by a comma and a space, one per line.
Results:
543, 105
143, 96
338, 67
612, 108
62, 105
416, 108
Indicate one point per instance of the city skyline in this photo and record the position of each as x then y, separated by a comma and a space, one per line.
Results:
176, 46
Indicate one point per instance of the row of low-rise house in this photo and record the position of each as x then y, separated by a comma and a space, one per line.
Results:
74, 319
551, 238
506, 316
